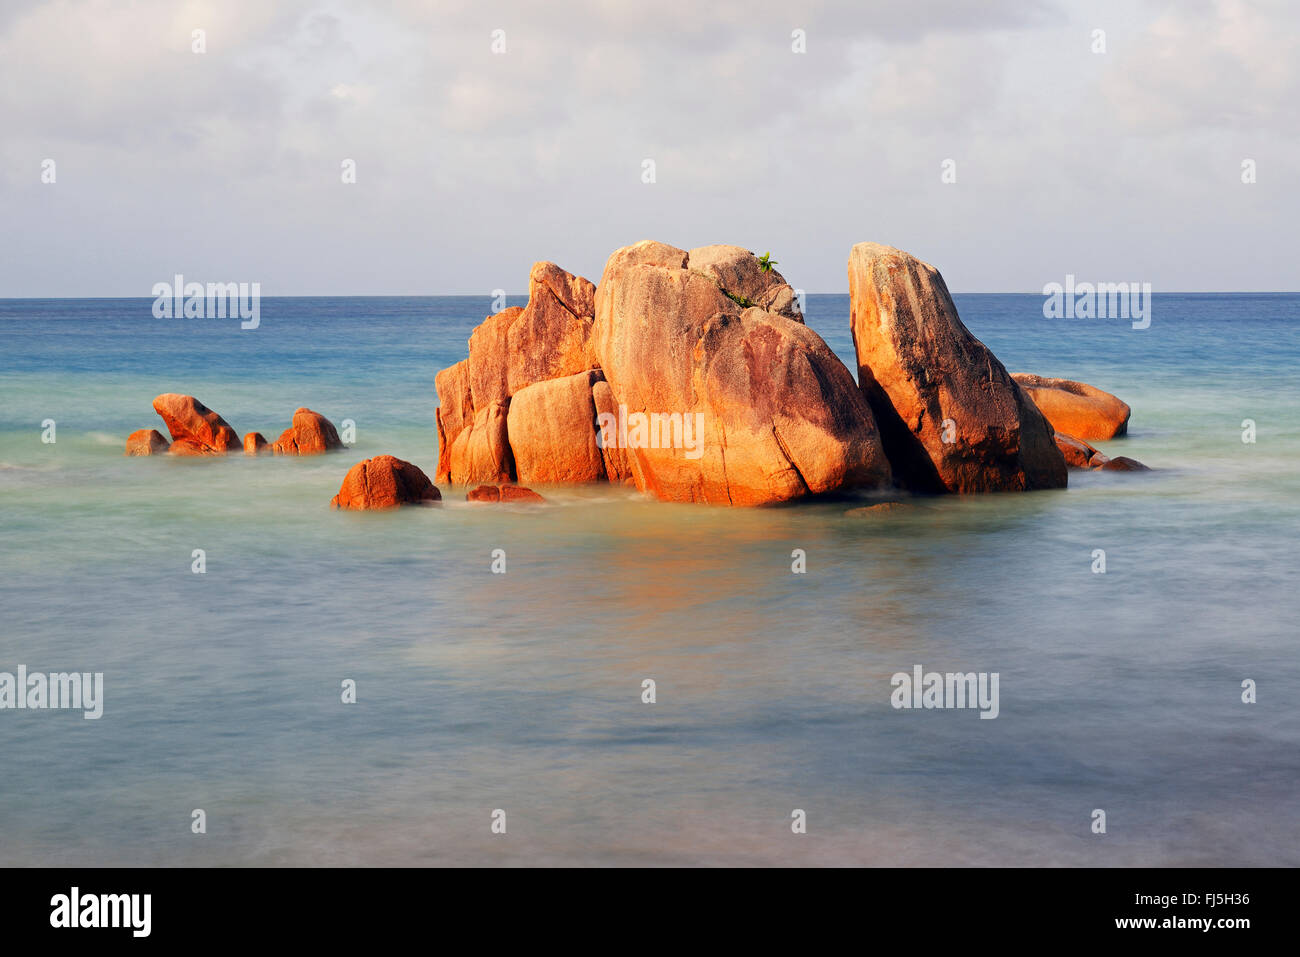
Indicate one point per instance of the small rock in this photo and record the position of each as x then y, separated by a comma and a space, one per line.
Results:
882, 508
503, 493
1078, 453
310, 434
384, 482
1121, 463
146, 442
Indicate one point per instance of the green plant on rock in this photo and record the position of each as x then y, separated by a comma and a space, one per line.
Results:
766, 262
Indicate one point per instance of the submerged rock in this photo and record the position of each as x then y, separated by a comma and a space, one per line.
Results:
1076, 408
951, 417
384, 482
254, 443
146, 442
881, 508
1121, 463
504, 494
310, 434
1078, 453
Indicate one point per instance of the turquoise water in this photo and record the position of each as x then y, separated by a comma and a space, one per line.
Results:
523, 691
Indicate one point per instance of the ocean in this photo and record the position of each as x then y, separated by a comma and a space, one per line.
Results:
522, 692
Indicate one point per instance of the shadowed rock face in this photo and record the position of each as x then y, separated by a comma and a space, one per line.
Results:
618, 468
310, 434
455, 412
146, 442
552, 431
918, 366
778, 415
481, 453
384, 482
195, 429
1076, 408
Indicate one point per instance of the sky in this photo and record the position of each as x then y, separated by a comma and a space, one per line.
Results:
486, 136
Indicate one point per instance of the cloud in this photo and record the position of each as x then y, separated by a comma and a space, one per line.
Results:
472, 164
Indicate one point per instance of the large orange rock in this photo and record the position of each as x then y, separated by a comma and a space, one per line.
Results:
384, 482
1076, 408
481, 453
310, 434
195, 429
951, 416
551, 427
720, 403
146, 442
455, 412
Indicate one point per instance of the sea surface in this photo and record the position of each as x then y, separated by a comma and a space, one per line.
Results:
1120, 691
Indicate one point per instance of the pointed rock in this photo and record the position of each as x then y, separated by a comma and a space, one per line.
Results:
195, 429
952, 418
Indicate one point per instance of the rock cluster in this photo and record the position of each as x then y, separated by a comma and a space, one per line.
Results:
691, 375
197, 430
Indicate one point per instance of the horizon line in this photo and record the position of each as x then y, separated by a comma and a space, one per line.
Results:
524, 295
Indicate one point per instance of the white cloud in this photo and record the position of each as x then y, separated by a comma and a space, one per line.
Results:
471, 165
